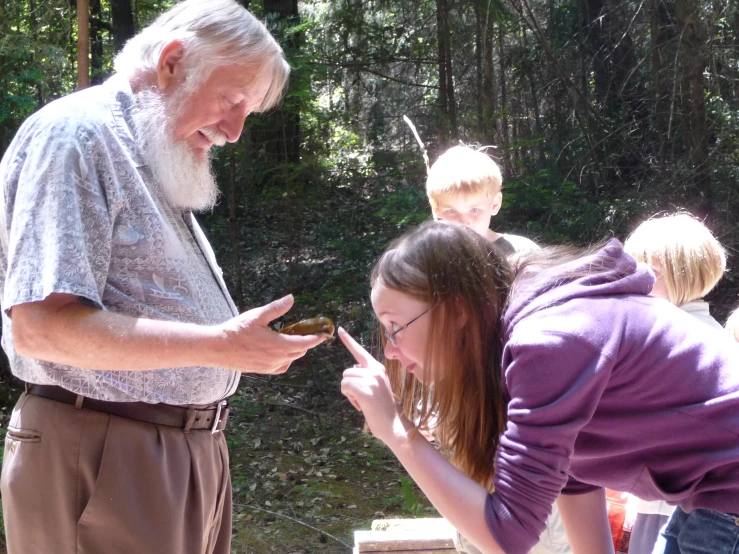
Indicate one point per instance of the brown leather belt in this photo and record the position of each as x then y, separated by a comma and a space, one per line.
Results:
185, 417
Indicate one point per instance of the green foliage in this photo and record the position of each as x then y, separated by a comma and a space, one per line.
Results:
411, 501
405, 207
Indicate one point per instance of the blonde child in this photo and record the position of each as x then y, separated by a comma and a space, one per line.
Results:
686, 259
464, 185
687, 262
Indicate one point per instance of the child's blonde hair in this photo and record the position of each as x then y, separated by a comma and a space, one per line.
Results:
463, 170
684, 251
732, 324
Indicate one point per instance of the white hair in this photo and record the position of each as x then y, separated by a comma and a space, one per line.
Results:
213, 33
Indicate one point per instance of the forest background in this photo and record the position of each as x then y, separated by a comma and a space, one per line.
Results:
601, 114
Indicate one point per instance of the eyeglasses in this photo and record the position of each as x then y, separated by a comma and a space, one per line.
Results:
391, 336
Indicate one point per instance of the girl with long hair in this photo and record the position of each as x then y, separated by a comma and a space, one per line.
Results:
559, 377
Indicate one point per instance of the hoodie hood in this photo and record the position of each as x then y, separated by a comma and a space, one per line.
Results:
609, 271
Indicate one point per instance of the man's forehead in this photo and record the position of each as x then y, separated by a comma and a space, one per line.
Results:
245, 79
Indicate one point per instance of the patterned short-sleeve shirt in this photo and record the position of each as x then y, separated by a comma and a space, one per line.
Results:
82, 215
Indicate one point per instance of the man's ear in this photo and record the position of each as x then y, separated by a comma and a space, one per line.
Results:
169, 66
497, 202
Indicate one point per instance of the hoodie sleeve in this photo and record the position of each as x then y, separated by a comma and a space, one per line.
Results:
555, 381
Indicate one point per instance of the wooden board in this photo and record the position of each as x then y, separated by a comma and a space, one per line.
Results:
400, 536
444, 551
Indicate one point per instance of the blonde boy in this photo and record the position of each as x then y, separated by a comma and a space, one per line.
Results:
464, 185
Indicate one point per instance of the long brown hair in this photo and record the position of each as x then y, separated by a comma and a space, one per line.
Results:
467, 281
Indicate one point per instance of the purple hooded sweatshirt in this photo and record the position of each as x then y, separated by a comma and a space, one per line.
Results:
609, 387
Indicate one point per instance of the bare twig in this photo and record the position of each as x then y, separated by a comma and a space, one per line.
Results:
285, 405
418, 139
367, 69
316, 529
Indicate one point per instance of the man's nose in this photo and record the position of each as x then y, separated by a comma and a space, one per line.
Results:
233, 123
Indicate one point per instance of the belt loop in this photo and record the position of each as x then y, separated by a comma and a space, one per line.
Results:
217, 418
26, 386
78, 402
190, 419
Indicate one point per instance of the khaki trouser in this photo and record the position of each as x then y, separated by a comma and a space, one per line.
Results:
84, 482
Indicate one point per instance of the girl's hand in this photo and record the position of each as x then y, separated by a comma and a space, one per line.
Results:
367, 387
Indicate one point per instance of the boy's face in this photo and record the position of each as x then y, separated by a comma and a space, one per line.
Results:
472, 210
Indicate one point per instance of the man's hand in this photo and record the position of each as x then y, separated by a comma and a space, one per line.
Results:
250, 346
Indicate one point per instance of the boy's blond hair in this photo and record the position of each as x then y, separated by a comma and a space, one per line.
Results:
463, 170
732, 324
684, 251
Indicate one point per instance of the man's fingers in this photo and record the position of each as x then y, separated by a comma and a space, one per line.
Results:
301, 342
273, 310
282, 369
357, 350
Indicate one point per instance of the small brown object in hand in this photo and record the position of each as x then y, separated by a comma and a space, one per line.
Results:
322, 326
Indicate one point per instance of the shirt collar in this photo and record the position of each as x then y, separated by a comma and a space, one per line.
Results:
121, 105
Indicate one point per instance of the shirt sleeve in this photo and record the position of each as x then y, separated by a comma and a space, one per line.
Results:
58, 223
555, 382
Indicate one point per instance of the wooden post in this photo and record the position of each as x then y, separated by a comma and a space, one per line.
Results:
83, 44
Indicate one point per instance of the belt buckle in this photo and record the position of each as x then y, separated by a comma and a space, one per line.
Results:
217, 418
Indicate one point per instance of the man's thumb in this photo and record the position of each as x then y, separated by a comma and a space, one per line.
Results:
276, 309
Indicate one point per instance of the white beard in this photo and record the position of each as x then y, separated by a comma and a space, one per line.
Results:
187, 181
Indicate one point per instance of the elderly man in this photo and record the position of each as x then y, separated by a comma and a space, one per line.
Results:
115, 313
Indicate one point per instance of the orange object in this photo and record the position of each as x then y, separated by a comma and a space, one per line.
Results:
616, 503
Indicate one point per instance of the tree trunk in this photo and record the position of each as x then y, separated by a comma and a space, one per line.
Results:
503, 98
692, 63
479, 95
443, 100
83, 44
446, 79
123, 25
285, 122
592, 27
450, 83
660, 108
560, 117
96, 43
34, 30
515, 145
233, 228
488, 77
